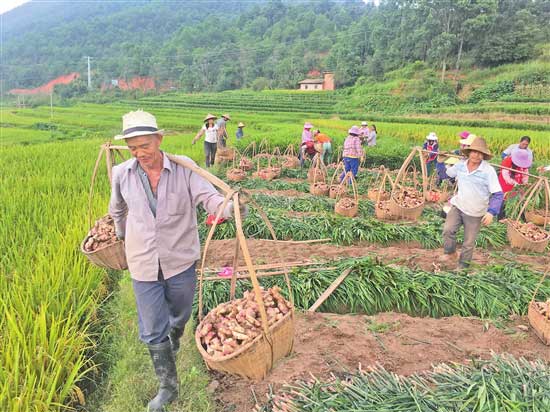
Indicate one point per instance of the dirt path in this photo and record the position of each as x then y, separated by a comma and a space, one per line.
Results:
407, 254
326, 343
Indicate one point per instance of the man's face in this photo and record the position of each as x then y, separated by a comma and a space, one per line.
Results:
524, 144
146, 149
475, 157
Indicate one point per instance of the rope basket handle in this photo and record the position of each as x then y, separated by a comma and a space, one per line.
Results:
348, 177
403, 171
540, 284
339, 169
382, 186
290, 151
526, 198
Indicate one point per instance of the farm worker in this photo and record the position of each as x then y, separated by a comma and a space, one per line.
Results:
371, 136
519, 161
431, 146
478, 200
523, 144
466, 139
239, 133
210, 132
153, 205
222, 130
364, 132
353, 152
326, 146
308, 145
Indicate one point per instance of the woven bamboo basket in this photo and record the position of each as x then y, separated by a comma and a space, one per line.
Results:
319, 189
335, 190
112, 256
519, 241
317, 171
235, 175
224, 155
383, 213
398, 210
245, 164
372, 194
537, 217
255, 359
352, 203
264, 174
276, 170
515, 237
539, 322
381, 202
290, 162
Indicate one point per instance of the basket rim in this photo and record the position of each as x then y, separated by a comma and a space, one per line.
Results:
117, 242
511, 226
407, 208
244, 348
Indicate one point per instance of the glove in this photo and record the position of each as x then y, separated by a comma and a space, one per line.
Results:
487, 219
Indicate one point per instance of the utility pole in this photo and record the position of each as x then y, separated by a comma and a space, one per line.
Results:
89, 73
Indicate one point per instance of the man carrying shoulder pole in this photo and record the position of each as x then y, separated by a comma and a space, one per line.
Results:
153, 205
477, 202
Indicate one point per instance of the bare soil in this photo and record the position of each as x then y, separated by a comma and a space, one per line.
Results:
405, 254
326, 343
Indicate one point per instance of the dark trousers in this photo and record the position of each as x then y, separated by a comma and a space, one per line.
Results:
210, 152
164, 304
455, 219
351, 164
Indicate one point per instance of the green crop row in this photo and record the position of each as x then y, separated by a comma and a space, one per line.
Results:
502, 383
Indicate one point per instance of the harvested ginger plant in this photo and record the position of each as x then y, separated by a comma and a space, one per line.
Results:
543, 308
530, 231
101, 235
347, 203
409, 198
245, 164
234, 324
236, 174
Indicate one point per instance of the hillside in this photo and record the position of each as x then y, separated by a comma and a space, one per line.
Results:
221, 45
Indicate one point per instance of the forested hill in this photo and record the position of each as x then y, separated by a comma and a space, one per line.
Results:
218, 45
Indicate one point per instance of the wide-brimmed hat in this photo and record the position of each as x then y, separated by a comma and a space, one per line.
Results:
452, 161
138, 123
464, 134
241, 124
354, 130
364, 124
210, 116
307, 125
226, 116
468, 140
479, 145
522, 158
431, 136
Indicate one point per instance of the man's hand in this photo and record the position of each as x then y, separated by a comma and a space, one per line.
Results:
193, 142
487, 219
229, 211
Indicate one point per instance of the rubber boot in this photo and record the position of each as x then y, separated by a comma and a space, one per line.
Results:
165, 369
175, 336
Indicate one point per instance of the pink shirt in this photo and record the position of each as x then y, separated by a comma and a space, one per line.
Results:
170, 239
352, 147
307, 136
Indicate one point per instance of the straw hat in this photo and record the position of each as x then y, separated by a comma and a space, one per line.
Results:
226, 116
354, 130
452, 161
209, 116
479, 145
241, 124
522, 158
307, 125
468, 140
138, 123
364, 124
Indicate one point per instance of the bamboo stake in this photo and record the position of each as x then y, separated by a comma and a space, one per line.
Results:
109, 162
266, 274
94, 174
329, 290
